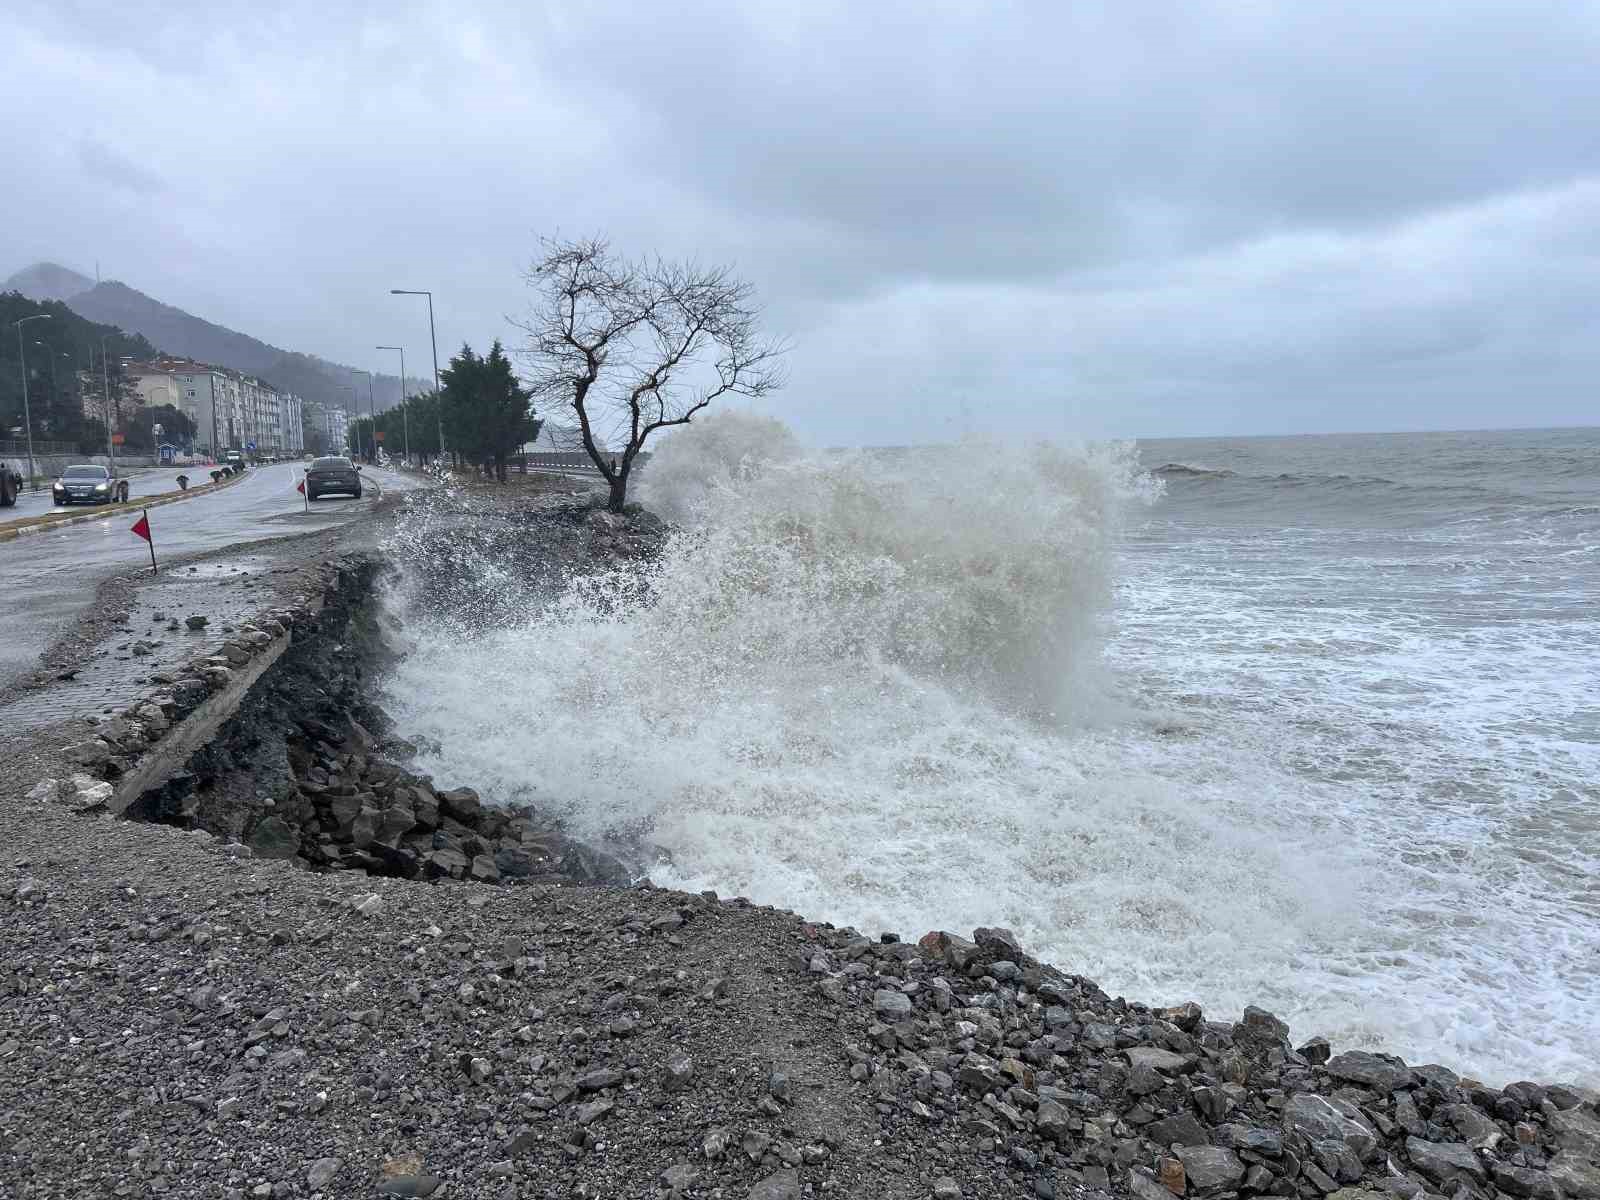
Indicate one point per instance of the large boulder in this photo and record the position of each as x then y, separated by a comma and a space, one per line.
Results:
1321, 1119
1445, 1162
1380, 1072
1210, 1168
462, 804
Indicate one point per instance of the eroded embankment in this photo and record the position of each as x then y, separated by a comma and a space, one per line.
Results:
302, 767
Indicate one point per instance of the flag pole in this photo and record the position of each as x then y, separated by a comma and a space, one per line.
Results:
150, 538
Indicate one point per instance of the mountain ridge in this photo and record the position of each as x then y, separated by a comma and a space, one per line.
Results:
184, 335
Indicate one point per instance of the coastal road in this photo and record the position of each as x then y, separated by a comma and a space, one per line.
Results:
142, 481
47, 579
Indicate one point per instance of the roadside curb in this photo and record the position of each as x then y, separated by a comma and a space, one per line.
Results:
111, 510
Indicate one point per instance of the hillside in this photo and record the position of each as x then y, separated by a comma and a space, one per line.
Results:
185, 335
48, 281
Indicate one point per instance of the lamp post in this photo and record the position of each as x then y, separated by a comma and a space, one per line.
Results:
405, 417
345, 387
27, 417
105, 383
432, 337
55, 384
372, 432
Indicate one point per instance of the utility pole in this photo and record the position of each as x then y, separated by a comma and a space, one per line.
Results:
432, 337
105, 383
372, 433
27, 417
405, 416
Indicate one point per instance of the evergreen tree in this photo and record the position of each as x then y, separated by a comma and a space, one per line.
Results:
488, 413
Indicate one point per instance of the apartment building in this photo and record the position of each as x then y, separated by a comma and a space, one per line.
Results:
231, 410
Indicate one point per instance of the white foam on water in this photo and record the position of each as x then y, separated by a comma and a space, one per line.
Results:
871, 688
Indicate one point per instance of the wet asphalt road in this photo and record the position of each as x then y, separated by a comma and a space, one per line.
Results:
142, 481
48, 579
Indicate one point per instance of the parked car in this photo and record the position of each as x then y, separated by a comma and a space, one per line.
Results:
89, 484
10, 484
328, 475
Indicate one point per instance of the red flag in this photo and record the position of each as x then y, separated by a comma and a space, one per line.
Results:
301, 487
142, 526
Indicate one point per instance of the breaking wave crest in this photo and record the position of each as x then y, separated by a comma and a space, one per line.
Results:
867, 686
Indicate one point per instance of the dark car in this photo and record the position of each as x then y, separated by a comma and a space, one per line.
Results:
89, 484
10, 484
328, 475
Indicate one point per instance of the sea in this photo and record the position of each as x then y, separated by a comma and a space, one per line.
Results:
1310, 723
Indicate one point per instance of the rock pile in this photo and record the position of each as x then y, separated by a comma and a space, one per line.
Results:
1063, 1084
351, 808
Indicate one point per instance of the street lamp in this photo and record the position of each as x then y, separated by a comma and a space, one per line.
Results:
345, 387
432, 337
105, 383
55, 385
372, 414
27, 417
405, 417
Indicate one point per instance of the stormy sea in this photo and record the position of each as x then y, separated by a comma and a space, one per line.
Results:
1310, 723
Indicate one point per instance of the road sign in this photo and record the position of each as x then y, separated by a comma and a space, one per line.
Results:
117, 439
379, 435
249, 445
156, 429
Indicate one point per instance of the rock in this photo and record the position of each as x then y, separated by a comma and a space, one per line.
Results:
589, 1113
1319, 1119
1478, 1130
1170, 1172
715, 1144
1444, 1162
1145, 1188
677, 1070
1266, 1142
448, 862
1164, 1061
1316, 1051
370, 906
785, 1185
1577, 1131
322, 1171
1185, 1016
484, 870
946, 1188
410, 1185
197, 622
273, 837
1261, 1030
1380, 1072
92, 753
462, 804
1524, 1181
891, 1005
595, 1081
1181, 1130
364, 828
1051, 1121
1579, 1179
1210, 1169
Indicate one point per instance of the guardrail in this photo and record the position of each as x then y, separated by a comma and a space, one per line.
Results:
565, 460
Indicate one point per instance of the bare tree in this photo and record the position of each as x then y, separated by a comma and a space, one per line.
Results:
637, 346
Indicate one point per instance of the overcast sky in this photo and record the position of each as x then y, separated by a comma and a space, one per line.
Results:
1129, 218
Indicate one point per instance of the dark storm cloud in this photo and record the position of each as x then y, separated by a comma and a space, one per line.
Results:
1108, 218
